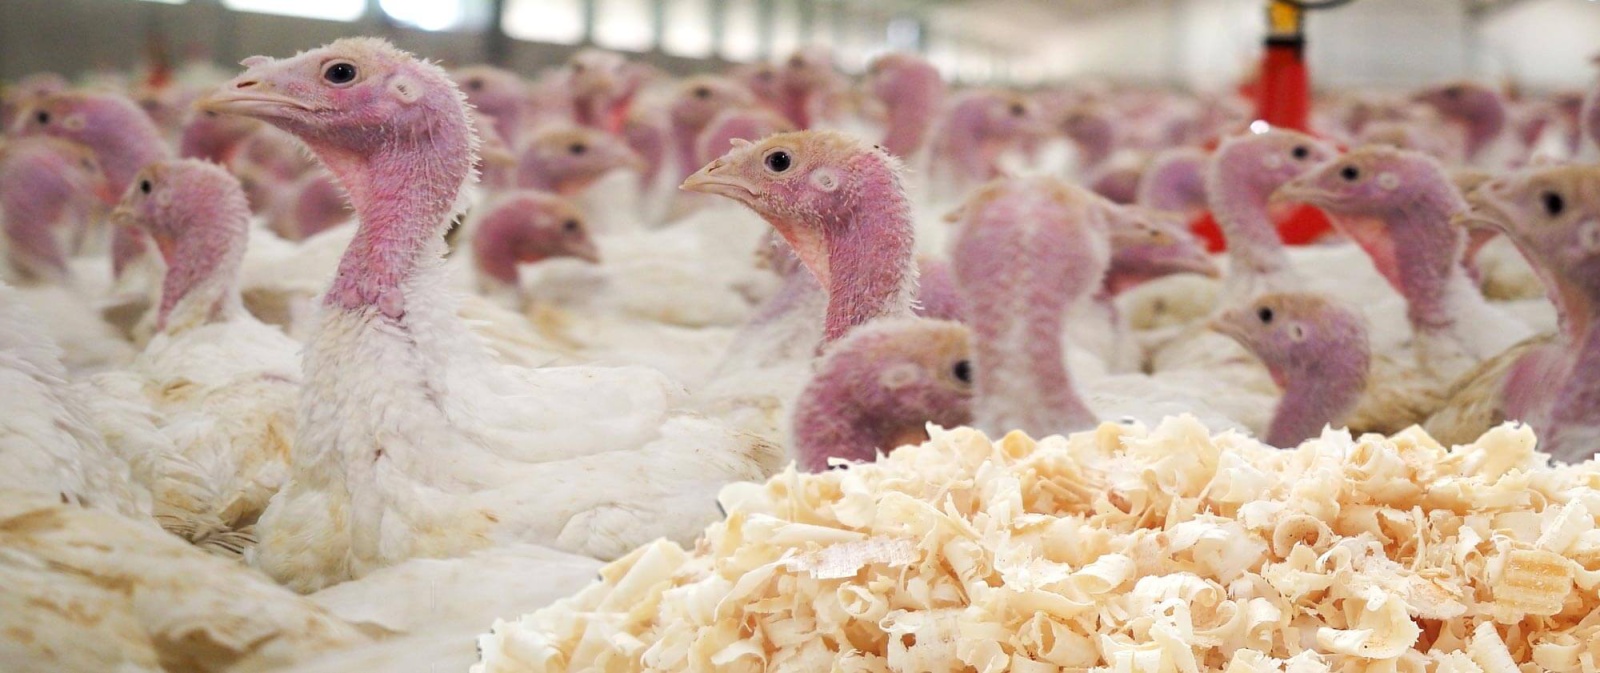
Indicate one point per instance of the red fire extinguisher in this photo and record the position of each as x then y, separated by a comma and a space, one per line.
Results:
1283, 99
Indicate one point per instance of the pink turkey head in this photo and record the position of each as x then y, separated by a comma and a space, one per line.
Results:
1175, 181
1148, 244
1369, 181
879, 387
122, 136
807, 184
528, 226
1300, 336
498, 93
1092, 127
699, 99
196, 213
913, 91
47, 185
1553, 216
596, 73
1254, 165
1479, 108
355, 97
23, 93
214, 137
567, 159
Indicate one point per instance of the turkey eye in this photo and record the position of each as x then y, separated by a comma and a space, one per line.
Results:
475, 84
144, 186
1017, 110
963, 371
1265, 314
1301, 151
571, 226
779, 161
577, 148
1553, 203
43, 117
702, 92
1350, 173
340, 73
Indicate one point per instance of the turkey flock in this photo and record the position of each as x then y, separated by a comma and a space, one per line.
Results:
325, 364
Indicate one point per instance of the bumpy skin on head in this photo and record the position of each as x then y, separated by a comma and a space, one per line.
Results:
498, 93
47, 185
1553, 216
696, 103
751, 124
197, 215
841, 206
1395, 204
20, 95
567, 159
1317, 350
1244, 172
1478, 108
395, 132
913, 92
1028, 249
979, 126
526, 226
878, 388
123, 138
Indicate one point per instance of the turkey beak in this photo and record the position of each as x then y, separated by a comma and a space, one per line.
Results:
1298, 190
1484, 211
587, 252
714, 179
1227, 324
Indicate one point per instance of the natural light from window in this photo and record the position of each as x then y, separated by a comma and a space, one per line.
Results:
558, 21
688, 29
628, 25
329, 10
741, 31
427, 14
786, 36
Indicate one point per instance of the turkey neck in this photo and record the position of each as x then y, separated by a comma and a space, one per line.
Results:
831, 425
1254, 249
1575, 416
202, 282
1022, 382
910, 115
871, 269
403, 195
1427, 260
1316, 398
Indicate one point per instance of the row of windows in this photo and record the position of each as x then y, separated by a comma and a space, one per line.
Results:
737, 30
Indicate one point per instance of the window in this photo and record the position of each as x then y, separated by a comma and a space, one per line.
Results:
559, 21
786, 36
688, 29
822, 24
437, 14
330, 10
625, 24
741, 30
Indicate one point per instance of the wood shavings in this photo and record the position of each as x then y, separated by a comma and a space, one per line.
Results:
1122, 549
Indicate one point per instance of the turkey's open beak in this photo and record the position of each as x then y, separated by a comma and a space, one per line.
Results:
1484, 211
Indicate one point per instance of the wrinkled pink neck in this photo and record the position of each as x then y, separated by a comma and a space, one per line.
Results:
201, 285
1575, 416
403, 194
1016, 300
1240, 210
1427, 251
1322, 395
870, 257
830, 423
911, 110
962, 144
127, 246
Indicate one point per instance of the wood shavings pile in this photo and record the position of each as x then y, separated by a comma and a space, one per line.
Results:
1121, 549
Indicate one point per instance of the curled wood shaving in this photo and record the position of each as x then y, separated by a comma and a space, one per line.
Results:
1120, 550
